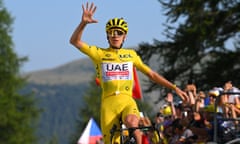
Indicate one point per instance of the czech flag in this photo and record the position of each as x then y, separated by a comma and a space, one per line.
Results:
91, 133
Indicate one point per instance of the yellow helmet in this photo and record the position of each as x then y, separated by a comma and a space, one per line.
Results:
167, 111
117, 23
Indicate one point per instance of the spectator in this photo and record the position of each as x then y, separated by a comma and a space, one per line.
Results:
191, 91
159, 125
187, 134
181, 132
179, 110
231, 101
200, 101
214, 95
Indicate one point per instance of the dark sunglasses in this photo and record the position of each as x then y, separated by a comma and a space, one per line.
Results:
115, 32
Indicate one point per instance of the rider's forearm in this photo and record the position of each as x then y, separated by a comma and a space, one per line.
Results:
76, 38
161, 80
164, 82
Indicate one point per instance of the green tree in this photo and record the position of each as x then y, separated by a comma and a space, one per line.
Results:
54, 140
90, 108
17, 111
197, 46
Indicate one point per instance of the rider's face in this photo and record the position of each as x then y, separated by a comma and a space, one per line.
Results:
116, 37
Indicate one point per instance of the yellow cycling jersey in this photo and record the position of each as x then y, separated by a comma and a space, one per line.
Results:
114, 68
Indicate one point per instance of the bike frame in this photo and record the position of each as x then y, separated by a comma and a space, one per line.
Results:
131, 131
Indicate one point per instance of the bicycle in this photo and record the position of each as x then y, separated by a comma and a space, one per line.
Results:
130, 138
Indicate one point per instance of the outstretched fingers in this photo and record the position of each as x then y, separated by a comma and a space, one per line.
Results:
88, 13
182, 94
87, 6
92, 8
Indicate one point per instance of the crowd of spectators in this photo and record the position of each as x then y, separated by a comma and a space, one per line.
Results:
192, 121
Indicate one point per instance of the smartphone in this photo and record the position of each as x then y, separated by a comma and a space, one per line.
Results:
185, 114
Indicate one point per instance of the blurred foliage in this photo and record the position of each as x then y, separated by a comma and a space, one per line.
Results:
90, 108
54, 140
18, 112
59, 105
202, 43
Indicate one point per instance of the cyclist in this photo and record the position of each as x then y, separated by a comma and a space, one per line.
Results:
114, 66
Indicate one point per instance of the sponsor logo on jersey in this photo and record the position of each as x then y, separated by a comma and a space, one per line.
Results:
125, 56
108, 55
117, 71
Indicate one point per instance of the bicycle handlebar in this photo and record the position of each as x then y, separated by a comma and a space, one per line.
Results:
130, 130
114, 128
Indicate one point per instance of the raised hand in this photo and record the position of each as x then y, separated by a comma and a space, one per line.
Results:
182, 94
88, 12
169, 97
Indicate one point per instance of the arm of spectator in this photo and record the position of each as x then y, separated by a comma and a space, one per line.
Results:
191, 98
169, 99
